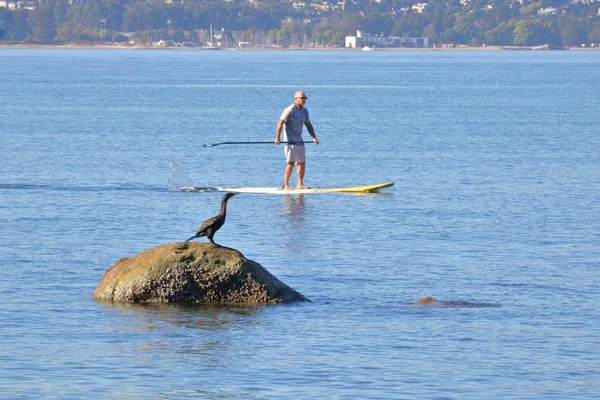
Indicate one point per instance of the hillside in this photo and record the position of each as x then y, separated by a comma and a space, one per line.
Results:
325, 23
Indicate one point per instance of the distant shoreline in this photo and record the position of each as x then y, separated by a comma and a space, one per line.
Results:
141, 47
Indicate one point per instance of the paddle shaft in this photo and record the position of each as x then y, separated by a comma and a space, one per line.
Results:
217, 144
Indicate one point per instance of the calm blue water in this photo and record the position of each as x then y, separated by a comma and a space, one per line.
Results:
497, 201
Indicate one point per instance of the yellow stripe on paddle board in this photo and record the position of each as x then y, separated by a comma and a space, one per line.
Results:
356, 189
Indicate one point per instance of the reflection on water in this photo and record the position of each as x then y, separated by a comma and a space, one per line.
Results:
291, 222
207, 317
294, 207
204, 334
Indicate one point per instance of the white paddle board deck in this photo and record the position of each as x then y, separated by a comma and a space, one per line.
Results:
266, 190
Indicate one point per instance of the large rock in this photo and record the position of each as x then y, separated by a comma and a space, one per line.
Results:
192, 272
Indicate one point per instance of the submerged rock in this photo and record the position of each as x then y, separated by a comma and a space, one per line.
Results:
426, 300
433, 302
192, 272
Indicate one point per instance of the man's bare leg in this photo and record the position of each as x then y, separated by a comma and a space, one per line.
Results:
286, 177
300, 172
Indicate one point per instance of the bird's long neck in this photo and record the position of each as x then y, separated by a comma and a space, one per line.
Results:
224, 206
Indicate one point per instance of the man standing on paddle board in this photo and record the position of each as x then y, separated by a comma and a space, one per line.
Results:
292, 119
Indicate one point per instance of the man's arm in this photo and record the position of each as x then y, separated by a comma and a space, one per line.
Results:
278, 131
311, 131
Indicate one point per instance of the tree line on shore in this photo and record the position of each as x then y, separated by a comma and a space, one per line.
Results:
287, 23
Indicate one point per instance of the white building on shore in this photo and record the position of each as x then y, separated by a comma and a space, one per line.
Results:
363, 39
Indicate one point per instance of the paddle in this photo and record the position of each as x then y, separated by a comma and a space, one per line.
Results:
218, 144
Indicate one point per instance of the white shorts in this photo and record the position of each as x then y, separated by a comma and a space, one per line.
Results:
295, 154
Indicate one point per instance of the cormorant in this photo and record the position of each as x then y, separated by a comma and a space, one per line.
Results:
212, 225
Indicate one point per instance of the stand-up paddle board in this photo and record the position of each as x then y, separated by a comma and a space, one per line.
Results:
265, 190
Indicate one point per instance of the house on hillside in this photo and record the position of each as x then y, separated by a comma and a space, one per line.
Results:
363, 39
17, 5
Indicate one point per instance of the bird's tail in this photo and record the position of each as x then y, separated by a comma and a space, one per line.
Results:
190, 238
